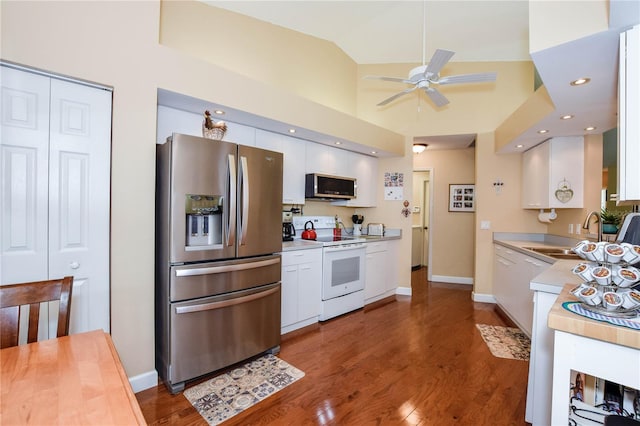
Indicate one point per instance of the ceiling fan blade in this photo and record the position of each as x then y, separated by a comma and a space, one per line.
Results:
438, 60
467, 78
436, 97
394, 79
397, 95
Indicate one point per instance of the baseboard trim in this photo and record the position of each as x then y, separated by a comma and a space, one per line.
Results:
452, 280
483, 297
144, 381
403, 291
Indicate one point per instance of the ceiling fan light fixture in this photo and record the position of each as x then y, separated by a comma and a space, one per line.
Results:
419, 147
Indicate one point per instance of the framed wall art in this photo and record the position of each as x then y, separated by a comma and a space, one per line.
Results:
462, 198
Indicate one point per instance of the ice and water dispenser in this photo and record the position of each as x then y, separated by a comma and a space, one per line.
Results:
204, 221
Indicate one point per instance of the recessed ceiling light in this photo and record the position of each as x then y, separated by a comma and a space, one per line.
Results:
543, 131
292, 130
590, 128
566, 117
338, 143
218, 112
374, 152
519, 146
580, 81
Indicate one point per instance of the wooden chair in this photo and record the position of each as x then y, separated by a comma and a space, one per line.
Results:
14, 297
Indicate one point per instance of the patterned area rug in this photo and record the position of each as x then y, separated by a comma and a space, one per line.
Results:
226, 395
505, 342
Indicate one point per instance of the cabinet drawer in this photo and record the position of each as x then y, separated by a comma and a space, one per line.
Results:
374, 247
297, 257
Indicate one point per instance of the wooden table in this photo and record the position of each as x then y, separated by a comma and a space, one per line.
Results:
72, 380
593, 347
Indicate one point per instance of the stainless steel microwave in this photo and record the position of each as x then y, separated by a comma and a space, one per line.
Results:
330, 187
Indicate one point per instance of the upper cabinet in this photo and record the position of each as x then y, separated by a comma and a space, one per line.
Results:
629, 111
365, 169
293, 151
553, 174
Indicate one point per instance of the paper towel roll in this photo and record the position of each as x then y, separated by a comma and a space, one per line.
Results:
547, 217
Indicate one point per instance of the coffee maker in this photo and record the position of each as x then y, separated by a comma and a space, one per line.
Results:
288, 230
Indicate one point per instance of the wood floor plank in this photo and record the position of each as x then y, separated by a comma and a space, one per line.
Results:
418, 360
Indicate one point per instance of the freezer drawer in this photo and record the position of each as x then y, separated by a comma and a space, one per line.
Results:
212, 333
216, 278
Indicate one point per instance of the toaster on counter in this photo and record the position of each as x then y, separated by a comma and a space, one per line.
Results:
376, 229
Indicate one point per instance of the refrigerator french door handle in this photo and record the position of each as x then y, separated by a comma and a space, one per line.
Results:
244, 169
226, 268
233, 201
225, 303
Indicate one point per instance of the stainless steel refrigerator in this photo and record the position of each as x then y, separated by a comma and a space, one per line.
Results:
218, 232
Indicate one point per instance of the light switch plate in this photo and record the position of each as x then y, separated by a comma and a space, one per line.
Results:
485, 224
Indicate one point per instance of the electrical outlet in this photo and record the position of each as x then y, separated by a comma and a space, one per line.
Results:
571, 228
577, 228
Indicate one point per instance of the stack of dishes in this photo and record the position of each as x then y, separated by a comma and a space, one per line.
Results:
611, 281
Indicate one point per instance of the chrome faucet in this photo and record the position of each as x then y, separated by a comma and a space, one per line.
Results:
598, 221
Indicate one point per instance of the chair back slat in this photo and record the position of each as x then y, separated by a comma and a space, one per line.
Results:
14, 297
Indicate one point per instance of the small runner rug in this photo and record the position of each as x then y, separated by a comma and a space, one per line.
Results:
505, 342
228, 394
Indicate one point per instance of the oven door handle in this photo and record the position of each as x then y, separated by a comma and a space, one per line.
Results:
225, 303
225, 268
348, 247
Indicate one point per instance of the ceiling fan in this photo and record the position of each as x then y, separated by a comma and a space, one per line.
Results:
425, 77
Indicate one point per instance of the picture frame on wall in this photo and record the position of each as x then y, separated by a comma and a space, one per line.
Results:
462, 198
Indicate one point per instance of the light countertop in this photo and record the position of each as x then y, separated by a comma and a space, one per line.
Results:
563, 320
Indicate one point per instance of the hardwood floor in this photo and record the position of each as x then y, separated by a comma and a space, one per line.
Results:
417, 360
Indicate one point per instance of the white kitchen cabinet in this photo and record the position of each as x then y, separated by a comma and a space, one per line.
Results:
513, 272
55, 189
365, 169
327, 160
553, 174
393, 252
628, 112
301, 288
376, 272
293, 151
540, 381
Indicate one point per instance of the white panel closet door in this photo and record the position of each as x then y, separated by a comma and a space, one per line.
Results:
79, 168
70, 174
24, 147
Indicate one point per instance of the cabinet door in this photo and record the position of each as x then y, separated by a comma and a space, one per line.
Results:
309, 289
566, 183
326, 160
293, 151
535, 177
289, 308
375, 275
365, 169
629, 110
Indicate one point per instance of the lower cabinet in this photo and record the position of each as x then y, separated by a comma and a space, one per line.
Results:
513, 272
301, 288
538, 411
376, 272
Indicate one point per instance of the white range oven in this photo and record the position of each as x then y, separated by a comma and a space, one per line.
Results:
342, 266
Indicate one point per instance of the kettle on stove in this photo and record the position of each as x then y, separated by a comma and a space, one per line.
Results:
309, 233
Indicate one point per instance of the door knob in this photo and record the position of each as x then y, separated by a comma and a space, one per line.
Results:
74, 265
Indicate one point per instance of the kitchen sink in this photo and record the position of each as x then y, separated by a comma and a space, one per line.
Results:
555, 252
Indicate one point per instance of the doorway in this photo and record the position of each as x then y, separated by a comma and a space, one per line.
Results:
421, 218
